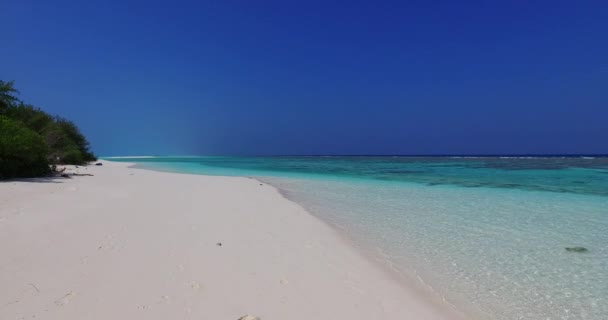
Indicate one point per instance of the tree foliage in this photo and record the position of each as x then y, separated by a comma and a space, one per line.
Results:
23, 152
25, 126
74, 135
7, 95
30, 116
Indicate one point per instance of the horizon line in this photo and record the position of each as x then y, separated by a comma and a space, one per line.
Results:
481, 155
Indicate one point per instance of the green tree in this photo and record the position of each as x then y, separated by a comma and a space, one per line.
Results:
23, 152
31, 139
79, 140
30, 116
7, 95
61, 148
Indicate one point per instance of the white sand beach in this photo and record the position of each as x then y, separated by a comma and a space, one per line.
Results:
128, 243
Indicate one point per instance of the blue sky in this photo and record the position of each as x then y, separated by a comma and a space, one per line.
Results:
316, 77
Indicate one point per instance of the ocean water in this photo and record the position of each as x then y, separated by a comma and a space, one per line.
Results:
487, 235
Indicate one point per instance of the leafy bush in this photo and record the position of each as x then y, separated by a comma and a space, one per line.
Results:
30, 116
7, 95
23, 152
72, 156
77, 138
31, 139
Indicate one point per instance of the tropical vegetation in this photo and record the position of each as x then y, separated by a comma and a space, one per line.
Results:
32, 141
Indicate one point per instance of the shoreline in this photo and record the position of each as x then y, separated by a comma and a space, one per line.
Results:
409, 278
68, 243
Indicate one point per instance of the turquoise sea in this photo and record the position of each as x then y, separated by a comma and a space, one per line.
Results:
487, 234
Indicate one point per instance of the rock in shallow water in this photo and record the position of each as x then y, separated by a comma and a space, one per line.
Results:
576, 249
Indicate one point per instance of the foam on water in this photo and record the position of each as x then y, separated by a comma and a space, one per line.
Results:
488, 235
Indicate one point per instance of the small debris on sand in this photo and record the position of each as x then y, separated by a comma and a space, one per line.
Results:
65, 299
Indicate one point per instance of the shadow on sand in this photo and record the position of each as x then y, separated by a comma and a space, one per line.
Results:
50, 179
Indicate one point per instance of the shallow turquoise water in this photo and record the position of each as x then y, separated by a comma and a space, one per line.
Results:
487, 234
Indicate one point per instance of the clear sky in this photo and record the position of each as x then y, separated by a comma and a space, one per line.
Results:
316, 77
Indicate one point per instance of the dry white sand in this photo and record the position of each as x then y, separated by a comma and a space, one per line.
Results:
136, 244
